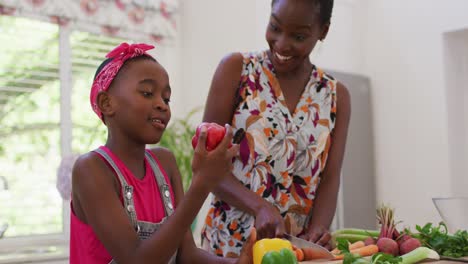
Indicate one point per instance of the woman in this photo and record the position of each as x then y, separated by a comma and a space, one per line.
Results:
295, 118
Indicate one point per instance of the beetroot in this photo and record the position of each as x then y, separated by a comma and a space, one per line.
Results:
387, 223
395, 234
388, 245
409, 245
403, 238
369, 241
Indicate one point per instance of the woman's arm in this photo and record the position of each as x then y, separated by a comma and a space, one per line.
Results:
97, 203
326, 197
219, 108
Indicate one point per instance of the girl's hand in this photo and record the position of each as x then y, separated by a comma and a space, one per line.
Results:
246, 255
269, 222
210, 167
319, 235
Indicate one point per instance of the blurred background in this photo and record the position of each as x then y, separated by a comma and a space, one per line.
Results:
404, 62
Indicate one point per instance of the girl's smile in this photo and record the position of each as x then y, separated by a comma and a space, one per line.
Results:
158, 123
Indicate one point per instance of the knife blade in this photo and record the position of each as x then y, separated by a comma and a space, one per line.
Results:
454, 259
319, 252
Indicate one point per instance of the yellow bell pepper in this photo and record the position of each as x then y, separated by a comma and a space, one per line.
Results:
266, 245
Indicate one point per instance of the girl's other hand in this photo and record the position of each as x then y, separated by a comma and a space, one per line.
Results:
269, 222
319, 235
246, 255
210, 167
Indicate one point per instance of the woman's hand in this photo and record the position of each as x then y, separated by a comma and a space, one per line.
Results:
246, 255
319, 235
210, 167
269, 222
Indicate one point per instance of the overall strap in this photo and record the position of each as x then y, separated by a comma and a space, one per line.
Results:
127, 190
162, 184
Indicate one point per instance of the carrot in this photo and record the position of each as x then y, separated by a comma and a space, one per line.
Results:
308, 253
362, 251
335, 251
355, 245
299, 254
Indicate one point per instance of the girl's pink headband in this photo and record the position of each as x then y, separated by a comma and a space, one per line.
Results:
104, 78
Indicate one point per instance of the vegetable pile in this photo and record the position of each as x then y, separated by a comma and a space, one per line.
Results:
280, 251
437, 237
384, 246
388, 245
355, 257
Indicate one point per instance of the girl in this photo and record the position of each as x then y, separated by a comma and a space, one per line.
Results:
127, 201
296, 117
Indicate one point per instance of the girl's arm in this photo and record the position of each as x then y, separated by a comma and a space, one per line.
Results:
188, 252
325, 201
96, 202
219, 108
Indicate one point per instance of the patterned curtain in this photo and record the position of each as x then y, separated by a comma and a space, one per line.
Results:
154, 19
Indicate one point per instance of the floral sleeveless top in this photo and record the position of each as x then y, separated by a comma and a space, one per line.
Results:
282, 154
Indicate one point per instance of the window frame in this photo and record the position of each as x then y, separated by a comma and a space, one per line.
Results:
66, 126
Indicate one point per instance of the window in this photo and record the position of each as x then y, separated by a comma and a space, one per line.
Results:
46, 72
35, 115
30, 131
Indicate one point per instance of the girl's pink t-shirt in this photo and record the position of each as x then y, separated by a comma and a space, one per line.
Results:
85, 246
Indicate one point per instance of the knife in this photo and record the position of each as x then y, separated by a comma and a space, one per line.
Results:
319, 252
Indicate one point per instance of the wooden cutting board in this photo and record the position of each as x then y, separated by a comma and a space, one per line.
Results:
320, 262
339, 262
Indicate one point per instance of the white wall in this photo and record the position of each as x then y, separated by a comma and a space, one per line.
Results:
342, 49
404, 59
210, 29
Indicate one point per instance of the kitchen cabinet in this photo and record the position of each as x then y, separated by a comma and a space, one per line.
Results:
357, 200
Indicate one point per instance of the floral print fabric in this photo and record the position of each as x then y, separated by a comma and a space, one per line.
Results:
130, 19
282, 154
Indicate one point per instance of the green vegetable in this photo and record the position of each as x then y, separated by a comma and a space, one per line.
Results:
360, 261
355, 231
284, 256
264, 246
438, 239
379, 258
272, 257
349, 258
419, 254
288, 256
353, 235
383, 258
351, 238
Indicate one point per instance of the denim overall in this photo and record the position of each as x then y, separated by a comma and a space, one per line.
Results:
144, 229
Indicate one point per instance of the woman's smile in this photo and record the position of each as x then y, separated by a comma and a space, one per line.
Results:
282, 58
